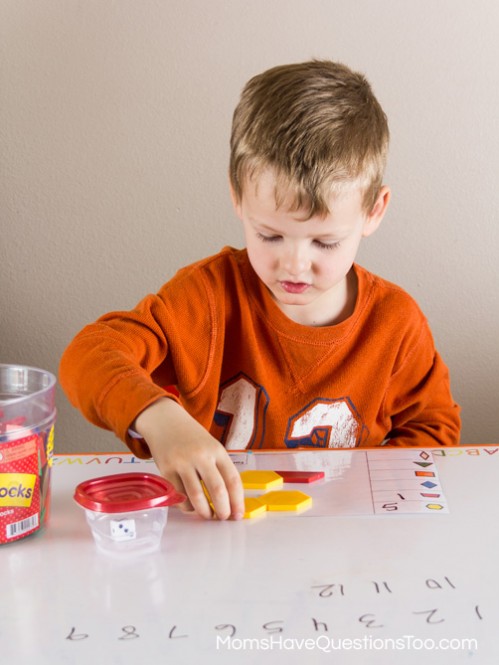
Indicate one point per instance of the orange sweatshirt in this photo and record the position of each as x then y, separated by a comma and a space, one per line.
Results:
256, 379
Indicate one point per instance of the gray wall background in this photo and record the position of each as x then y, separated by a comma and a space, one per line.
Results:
114, 128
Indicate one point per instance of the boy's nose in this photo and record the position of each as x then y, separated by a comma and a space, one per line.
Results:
295, 261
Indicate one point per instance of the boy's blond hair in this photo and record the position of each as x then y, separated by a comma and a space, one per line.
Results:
318, 126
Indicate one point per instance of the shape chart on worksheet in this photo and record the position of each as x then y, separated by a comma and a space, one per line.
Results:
405, 482
362, 482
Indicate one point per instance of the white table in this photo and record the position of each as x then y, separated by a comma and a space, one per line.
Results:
277, 588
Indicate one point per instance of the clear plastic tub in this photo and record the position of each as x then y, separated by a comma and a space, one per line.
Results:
127, 512
27, 418
137, 532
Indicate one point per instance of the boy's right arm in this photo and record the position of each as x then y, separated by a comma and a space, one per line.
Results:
186, 454
106, 373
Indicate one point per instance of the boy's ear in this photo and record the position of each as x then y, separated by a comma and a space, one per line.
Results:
373, 219
235, 202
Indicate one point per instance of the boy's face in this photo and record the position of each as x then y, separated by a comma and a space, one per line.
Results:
306, 263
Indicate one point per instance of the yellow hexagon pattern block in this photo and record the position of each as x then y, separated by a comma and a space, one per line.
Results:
253, 507
292, 500
260, 480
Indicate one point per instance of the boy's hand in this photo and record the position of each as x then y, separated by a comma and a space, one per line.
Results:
187, 454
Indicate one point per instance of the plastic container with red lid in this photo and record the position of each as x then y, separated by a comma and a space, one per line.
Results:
127, 512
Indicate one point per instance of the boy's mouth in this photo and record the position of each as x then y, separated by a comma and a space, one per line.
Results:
295, 287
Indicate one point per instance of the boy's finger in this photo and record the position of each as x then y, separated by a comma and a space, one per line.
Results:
232, 481
196, 495
186, 506
217, 493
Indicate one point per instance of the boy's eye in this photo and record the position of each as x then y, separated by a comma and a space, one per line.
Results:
327, 245
268, 238
318, 243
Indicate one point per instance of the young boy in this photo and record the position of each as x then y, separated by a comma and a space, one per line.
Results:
286, 343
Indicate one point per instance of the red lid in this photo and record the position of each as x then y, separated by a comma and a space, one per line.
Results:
126, 492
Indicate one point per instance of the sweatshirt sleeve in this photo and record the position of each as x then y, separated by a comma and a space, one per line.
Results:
107, 369
125, 361
419, 400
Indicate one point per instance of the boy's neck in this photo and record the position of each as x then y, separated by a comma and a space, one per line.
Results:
330, 309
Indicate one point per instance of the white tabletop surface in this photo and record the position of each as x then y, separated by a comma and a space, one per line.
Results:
283, 588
